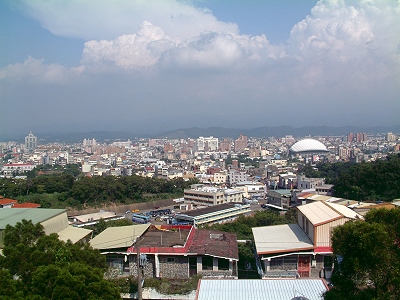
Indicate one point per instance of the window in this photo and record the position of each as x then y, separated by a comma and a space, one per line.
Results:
170, 259
223, 264
307, 229
207, 262
284, 263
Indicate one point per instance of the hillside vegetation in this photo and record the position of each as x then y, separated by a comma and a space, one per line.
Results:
378, 180
63, 188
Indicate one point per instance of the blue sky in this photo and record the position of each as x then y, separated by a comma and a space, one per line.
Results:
157, 65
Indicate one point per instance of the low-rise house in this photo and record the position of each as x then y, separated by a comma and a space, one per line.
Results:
251, 189
7, 203
304, 182
52, 220
303, 249
11, 170
287, 180
171, 251
93, 218
236, 176
279, 198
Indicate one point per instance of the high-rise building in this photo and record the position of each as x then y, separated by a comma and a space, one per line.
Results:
240, 144
390, 137
207, 144
350, 137
30, 142
225, 145
87, 142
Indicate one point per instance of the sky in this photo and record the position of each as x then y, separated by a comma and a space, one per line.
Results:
150, 66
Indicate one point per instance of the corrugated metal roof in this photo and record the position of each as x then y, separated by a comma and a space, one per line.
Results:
270, 289
318, 212
344, 211
317, 197
95, 216
11, 216
281, 238
118, 237
74, 234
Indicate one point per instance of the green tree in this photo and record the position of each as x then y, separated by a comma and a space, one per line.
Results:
46, 268
369, 255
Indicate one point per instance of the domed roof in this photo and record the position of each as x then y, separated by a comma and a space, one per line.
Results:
308, 145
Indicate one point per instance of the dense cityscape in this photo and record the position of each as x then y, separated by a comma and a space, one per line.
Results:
201, 157
198, 195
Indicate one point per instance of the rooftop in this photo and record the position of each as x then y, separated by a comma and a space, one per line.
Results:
270, 289
215, 243
13, 216
118, 237
280, 239
319, 213
157, 236
308, 145
210, 209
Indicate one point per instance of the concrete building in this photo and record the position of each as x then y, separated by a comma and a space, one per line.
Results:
30, 142
207, 144
11, 170
235, 177
205, 195
304, 182
279, 198
240, 143
214, 214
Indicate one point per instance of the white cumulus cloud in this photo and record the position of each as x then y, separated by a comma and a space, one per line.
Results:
105, 19
340, 31
36, 69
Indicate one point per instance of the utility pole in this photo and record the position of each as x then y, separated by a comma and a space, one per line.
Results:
139, 269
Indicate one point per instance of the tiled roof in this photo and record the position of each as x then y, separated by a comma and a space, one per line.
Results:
215, 243
26, 205
5, 201
197, 241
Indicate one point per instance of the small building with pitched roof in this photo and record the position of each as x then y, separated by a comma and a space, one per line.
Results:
52, 220
171, 251
303, 249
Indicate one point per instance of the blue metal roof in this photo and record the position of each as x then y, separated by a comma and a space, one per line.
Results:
262, 289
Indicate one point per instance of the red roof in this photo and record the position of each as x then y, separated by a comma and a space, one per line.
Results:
6, 201
198, 242
326, 249
26, 205
215, 243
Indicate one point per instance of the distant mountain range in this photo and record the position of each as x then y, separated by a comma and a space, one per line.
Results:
219, 132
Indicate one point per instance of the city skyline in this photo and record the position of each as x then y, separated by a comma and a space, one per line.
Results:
152, 66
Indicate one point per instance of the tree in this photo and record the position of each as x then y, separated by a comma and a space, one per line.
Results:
369, 258
46, 268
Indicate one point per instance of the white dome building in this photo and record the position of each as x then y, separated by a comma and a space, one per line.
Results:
307, 147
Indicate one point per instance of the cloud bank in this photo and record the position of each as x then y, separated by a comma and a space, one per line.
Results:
156, 57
